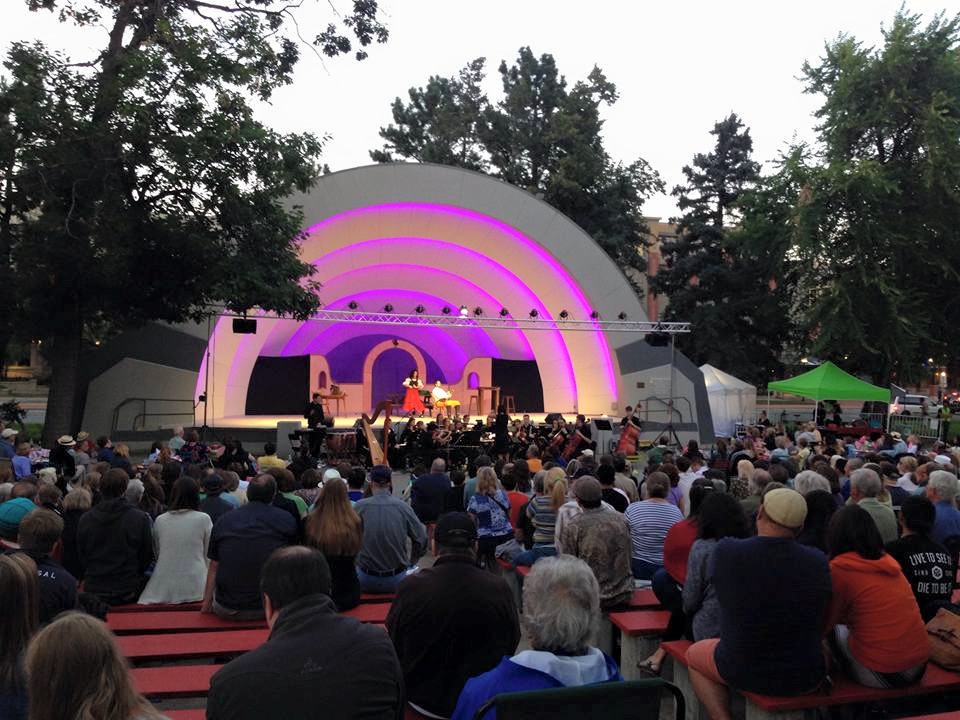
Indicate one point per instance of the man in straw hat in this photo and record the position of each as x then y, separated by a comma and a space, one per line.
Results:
773, 594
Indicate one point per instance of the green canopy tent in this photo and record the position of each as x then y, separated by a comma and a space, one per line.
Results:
828, 382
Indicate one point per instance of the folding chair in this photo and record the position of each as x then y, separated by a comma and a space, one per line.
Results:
633, 700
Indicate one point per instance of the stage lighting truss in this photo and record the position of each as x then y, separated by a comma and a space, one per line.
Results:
491, 322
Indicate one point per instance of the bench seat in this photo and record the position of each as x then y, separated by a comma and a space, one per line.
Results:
182, 621
640, 632
643, 599
191, 714
156, 607
174, 681
369, 612
181, 646
377, 597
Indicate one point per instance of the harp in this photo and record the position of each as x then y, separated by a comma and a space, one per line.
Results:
378, 455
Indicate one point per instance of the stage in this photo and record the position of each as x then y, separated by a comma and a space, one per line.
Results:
343, 422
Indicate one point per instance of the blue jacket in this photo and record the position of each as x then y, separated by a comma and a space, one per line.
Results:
510, 676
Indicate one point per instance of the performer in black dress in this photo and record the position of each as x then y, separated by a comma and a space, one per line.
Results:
501, 433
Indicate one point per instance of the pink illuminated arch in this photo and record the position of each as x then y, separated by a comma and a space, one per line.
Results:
372, 357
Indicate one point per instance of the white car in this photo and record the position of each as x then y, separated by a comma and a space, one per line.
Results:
915, 405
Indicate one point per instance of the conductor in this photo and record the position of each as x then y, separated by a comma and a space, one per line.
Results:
316, 424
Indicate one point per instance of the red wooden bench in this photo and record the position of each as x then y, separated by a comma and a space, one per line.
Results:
174, 681
640, 632
844, 691
369, 612
955, 715
167, 622
377, 597
193, 714
644, 599
157, 607
181, 646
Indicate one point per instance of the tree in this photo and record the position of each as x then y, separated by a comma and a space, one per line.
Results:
540, 135
720, 277
139, 184
878, 225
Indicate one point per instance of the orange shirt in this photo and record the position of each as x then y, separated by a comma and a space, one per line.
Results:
874, 600
535, 464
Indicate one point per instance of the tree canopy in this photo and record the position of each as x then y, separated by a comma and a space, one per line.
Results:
138, 185
541, 135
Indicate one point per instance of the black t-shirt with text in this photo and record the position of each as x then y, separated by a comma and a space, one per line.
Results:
928, 568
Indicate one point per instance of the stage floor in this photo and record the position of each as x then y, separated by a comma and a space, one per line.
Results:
344, 422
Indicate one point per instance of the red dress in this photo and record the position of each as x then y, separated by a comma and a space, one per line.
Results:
412, 400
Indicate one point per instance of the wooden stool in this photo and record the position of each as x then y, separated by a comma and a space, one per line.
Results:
474, 402
509, 405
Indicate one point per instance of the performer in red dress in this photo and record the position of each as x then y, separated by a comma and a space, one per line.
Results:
412, 401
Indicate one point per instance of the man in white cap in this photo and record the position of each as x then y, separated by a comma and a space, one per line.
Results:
773, 595
8, 443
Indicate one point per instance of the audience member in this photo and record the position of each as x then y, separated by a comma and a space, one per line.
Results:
76, 670
214, 504
21, 461
356, 480
18, 622
388, 523
925, 563
622, 479
542, 516
561, 607
942, 492
649, 521
612, 495
451, 622
240, 544
8, 449
878, 634
335, 529
12, 513
116, 543
453, 499
865, 487
773, 595
269, 458
39, 536
470, 486
315, 661
821, 505
601, 539
182, 537
490, 510
807, 481
75, 504
721, 516
428, 491
759, 478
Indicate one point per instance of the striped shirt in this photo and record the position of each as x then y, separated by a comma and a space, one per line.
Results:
544, 519
649, 523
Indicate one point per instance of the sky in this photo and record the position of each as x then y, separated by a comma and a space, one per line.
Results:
679, 66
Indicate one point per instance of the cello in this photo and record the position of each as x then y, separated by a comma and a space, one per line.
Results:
629, 435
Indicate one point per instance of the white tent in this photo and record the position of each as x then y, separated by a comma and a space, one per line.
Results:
731, 400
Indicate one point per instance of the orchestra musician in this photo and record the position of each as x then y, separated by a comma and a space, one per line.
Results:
501, 442
411, 400
578, 436
316, 423
630, 428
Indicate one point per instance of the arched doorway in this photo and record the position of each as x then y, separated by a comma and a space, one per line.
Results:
389, 370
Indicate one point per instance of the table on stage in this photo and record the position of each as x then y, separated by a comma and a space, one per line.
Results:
325, 399
494, 391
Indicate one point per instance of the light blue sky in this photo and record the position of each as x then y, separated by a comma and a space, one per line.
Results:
679, 66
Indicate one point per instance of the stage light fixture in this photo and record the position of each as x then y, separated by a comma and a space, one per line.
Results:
419, 309
463, 311
388, 308
446, 310
622, 316
534, 313
504, 312
564, 314
478, 311
594, 315
353, 305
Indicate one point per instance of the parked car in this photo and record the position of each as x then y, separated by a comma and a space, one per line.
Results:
915, 405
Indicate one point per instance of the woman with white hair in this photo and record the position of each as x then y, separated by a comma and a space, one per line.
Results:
808, 481
561, 605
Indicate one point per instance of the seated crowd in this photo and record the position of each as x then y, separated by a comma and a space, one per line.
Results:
764, 559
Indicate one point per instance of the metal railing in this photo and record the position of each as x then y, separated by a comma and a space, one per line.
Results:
139, 420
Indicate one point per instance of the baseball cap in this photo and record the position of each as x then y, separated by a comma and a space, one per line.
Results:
588, 453
943, 460
11, 513
785, 507
381, 475
8, 433
455, 529
331, 474
587, 488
